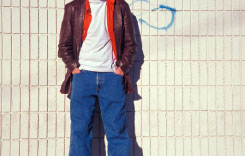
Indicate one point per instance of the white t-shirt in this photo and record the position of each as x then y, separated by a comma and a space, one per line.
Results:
96, 52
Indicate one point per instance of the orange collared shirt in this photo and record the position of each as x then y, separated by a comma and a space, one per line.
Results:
88, 18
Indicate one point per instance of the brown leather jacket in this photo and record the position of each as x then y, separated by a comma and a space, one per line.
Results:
70, 41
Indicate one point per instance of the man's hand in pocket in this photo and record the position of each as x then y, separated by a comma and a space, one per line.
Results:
119, 71
75, 71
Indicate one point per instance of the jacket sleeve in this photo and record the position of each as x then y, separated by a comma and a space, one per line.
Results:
65, 46
130, 44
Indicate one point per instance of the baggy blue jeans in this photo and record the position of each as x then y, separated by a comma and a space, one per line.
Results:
109, 88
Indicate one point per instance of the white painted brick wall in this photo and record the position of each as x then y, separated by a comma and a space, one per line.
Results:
189, 80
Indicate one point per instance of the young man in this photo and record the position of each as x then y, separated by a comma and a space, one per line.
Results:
98, 46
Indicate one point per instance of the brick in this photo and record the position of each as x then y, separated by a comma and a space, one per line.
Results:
203, 73
60, 124
153, 98
34, 20
219, 73
24, 128
34, 99
229, 146
33, 147
204, 145
236, 73
6, 101
194, 73
236, 22
52, 47
43, 99
24, 20
178, 73
15, 72
6, 23
221, 143
153, 21
237, 124
170, 124
16, 46
16, 20
236, 48
15, 126
170, 48
178, 49
153, 73
24, 69
219, 4
51, 72
220, 123
212, 146
145, 71
178, 98
236, 96
187, 4
153, 124
178, 23
42, 147
43, 47
51, 3
170, 97
195, 124
211, 73
51, 147
145, 145
163, 145
42, 3
203, 22
196, 146
228, 97
211, 98
51, 20
162, 98
194, 98
228, 123
145, 98
5, 145
211, 48
25, 46
219, 48
154, 146
227, 4
34, 72
178, 123
15, 147
33, 125
6, 46
170, 146
145, 28
187, 22
186, 48
203, 120
34, 3
145, 124
238, 146
186, 73
219, 23
219, 98
211, 5
212, 124
6, 71
43, 20
194, 22
60, 4
42, 131
15, 106
242, 98
203, 98
227, 23
170, 73
227, 73
6, 126
60, 147
52, 95
43, 73
161, 73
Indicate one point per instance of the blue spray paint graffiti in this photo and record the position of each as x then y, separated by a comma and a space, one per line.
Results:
161, 6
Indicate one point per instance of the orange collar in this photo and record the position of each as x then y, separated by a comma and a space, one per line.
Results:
88, 18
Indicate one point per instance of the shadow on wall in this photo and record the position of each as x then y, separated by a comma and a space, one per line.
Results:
98, 142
